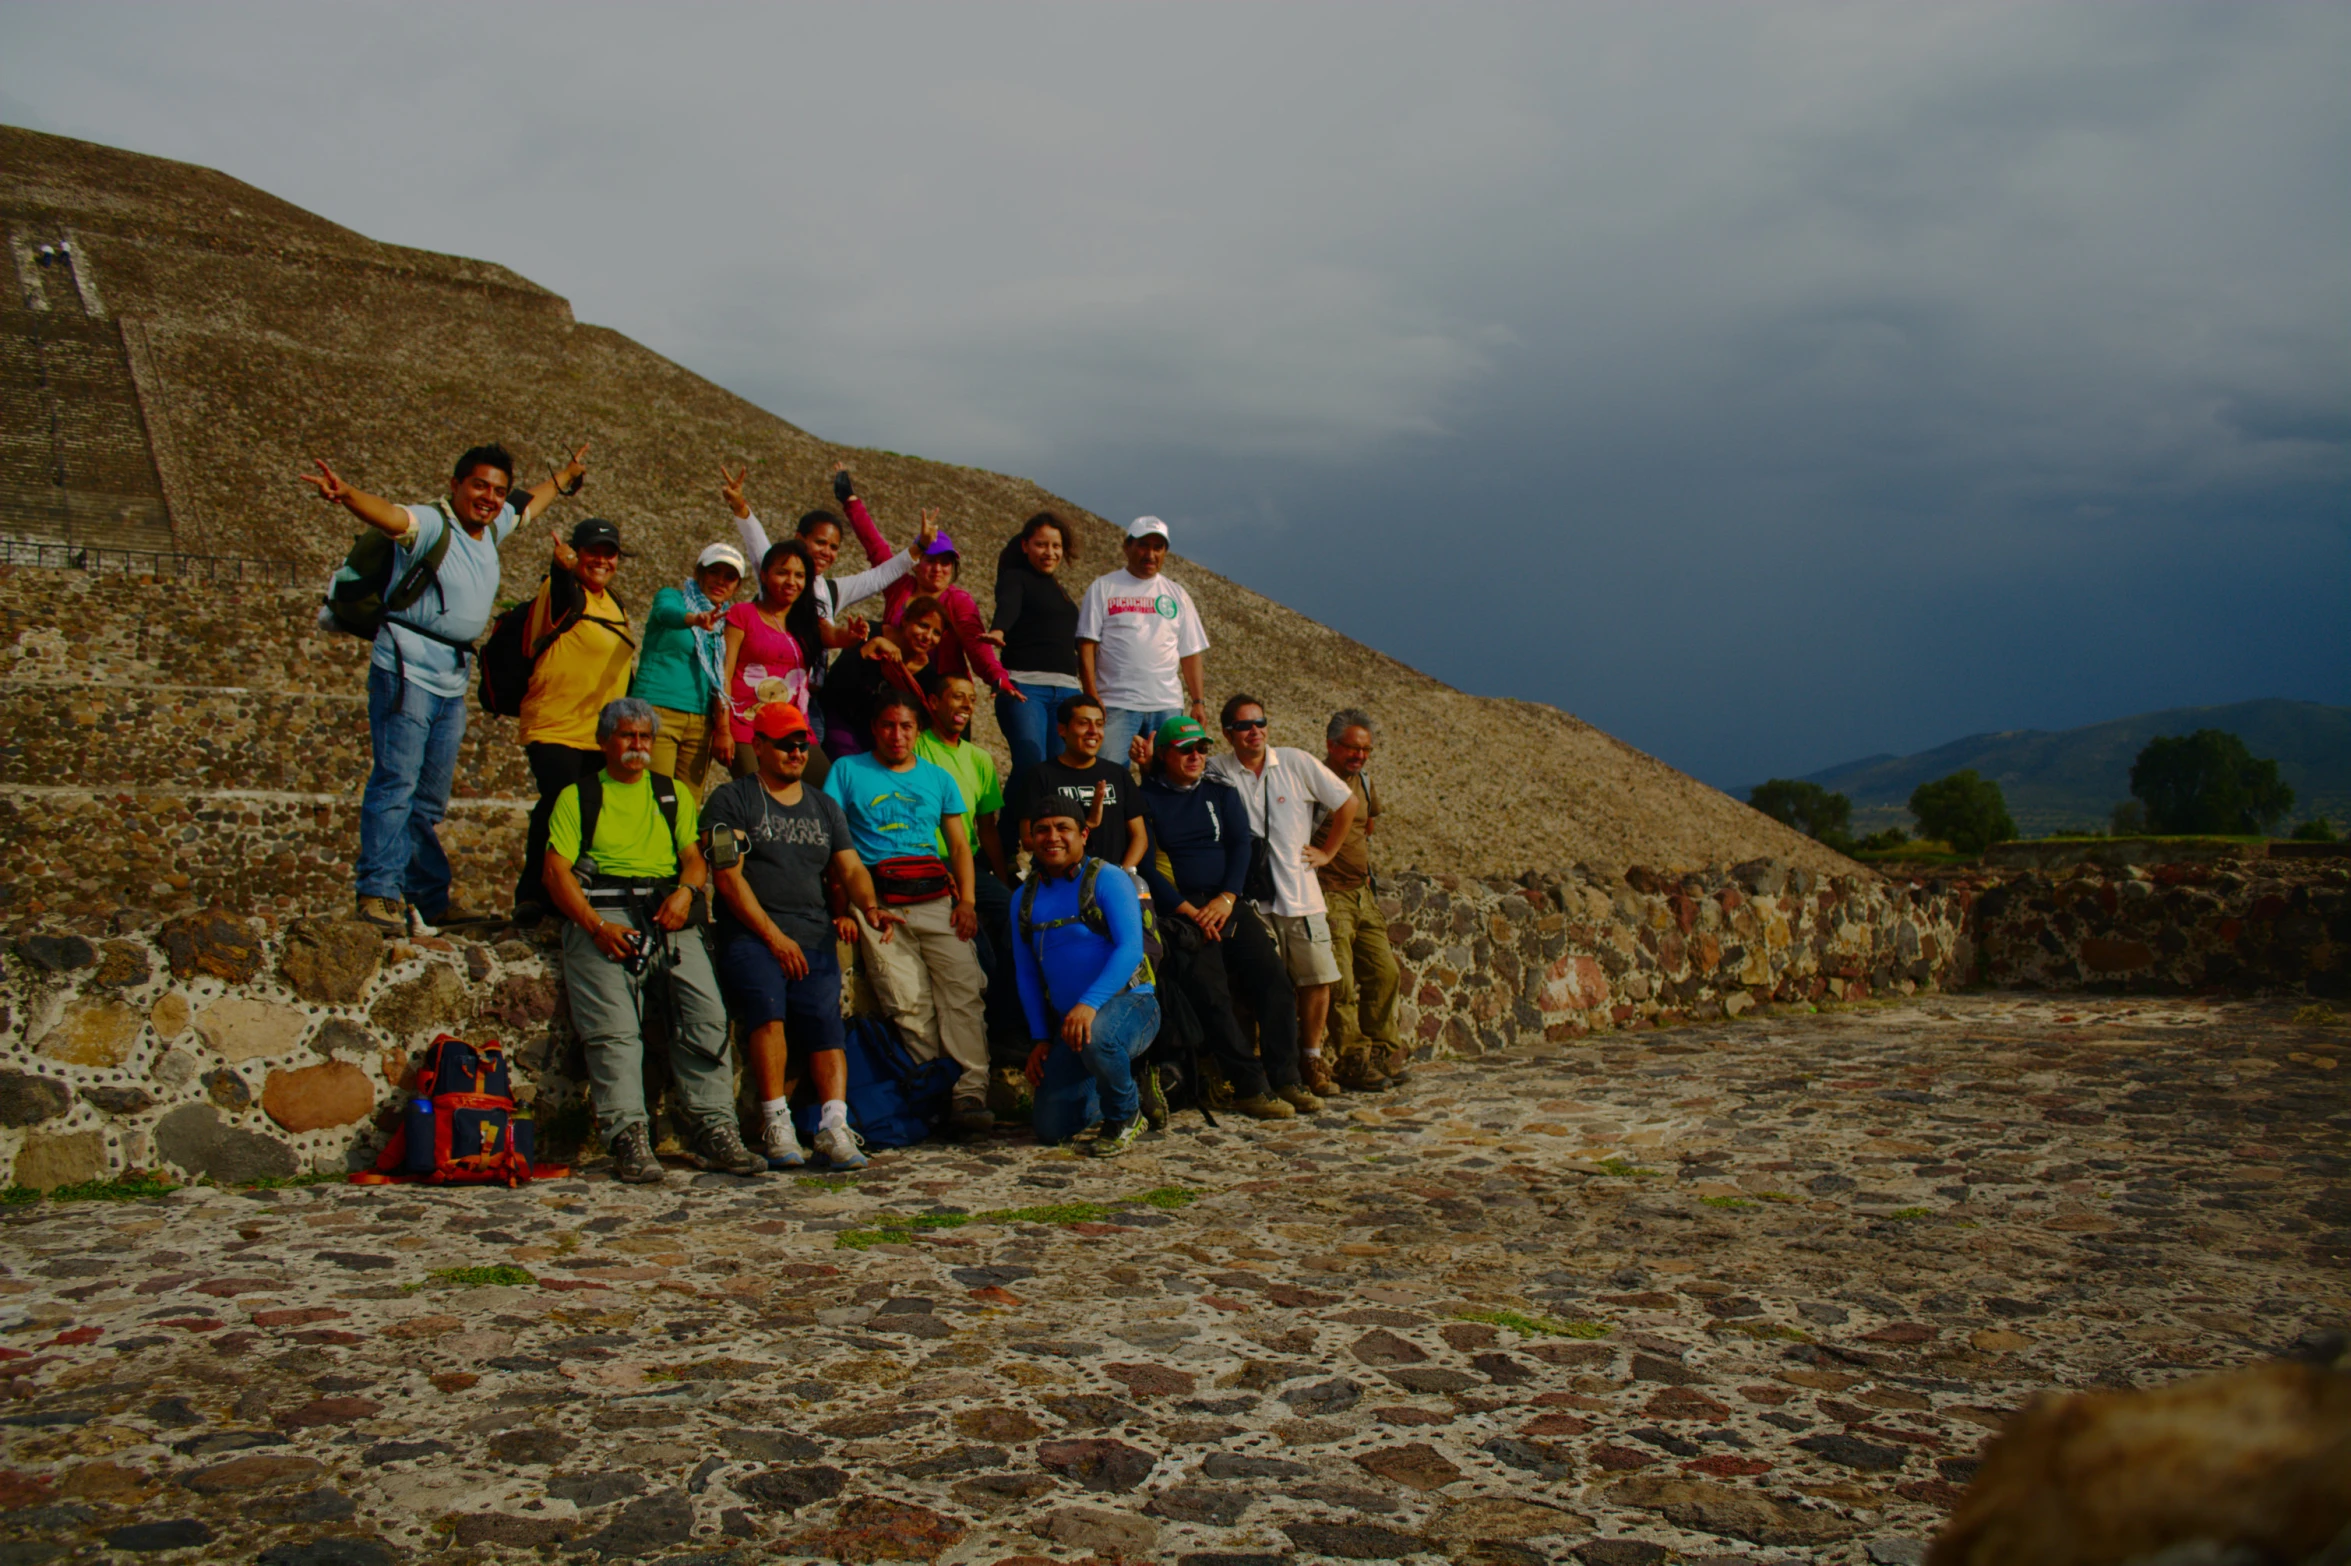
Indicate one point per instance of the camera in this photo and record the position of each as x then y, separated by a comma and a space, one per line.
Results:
640, 950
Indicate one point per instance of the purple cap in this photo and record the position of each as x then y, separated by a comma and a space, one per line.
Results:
941, 544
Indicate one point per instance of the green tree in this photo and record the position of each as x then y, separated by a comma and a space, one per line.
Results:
2208, 783
1809, 808
2318, 829
2128, 820
1963, 810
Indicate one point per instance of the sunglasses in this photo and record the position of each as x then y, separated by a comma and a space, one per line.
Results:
1240, 724
797, 745
1196, 748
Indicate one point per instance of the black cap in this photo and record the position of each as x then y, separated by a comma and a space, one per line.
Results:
1047, 803
594, 530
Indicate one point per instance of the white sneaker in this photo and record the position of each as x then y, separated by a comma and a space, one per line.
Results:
781, 1146
837, 1146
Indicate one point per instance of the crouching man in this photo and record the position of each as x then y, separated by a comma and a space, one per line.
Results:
623, 868
1077, 952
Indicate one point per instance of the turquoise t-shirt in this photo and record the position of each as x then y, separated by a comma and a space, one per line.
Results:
893, 814
670, 671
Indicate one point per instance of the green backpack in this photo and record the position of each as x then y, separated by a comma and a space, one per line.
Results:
361, 595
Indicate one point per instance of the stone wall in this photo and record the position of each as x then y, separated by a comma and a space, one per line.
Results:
2236, 924
245, 1043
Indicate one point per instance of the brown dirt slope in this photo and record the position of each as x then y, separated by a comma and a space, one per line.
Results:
274, 335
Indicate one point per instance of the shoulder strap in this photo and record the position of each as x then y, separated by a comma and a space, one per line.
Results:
1088, 909
591, 790
1028, 906
665, 794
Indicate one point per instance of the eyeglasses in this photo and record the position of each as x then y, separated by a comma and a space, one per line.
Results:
1239, 725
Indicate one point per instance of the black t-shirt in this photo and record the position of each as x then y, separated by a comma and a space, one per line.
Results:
1120, 802
790, 845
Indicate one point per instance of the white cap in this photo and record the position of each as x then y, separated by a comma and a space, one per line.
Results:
721, 554
1144, 525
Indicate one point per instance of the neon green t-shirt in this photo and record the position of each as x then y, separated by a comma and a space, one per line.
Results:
974, 772
630, 840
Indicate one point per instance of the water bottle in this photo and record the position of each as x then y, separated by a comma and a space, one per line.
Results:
418, 1151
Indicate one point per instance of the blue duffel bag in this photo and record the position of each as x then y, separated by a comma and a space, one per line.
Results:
893, 1102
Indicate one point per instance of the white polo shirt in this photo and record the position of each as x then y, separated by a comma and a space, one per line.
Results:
1281, 802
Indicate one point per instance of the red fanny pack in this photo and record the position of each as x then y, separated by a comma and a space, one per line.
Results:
913, 878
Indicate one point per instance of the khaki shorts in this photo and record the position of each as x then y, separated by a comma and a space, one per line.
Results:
1305, 940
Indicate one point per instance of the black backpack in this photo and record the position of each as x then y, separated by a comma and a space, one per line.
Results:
361, 595
507, 659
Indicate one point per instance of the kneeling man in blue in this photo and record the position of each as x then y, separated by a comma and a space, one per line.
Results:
1077, 953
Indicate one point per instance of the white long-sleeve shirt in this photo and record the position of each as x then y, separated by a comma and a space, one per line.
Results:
832, 593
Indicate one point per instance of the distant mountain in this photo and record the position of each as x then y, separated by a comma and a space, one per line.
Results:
2075, 777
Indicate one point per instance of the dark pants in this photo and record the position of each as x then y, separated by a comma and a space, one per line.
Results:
1197, 972
1008, 1026
1256, 973
554, 768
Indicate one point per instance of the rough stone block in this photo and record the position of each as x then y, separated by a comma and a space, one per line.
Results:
329, 962
93, 1031
315, 1097
27, 1100
68, 1158
240, 1029
170, 1014
436, 1001
194, 1138
210, 941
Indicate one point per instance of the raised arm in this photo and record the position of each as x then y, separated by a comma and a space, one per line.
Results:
965, 616
869, 537
730, 490
565, 480
375, 511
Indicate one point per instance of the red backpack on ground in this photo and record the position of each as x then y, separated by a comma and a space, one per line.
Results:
464, 1101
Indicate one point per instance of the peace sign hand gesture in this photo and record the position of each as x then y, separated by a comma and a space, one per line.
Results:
327, 482
928, 531
730, 490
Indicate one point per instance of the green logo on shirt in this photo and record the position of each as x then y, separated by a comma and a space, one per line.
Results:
1166, 607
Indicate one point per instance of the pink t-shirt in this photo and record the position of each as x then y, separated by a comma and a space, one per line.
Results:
769, 667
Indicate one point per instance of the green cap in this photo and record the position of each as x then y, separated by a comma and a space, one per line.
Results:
1180, 731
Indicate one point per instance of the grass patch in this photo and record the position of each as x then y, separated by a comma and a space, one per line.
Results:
2316, 1015
134, 1187
1618, 1169
896, 1230
481, 1277
288, 1182
1537, 1326
825, 1182
1726, 1203
1911, 1212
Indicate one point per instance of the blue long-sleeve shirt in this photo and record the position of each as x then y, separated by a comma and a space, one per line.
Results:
1082, 968
1198, 841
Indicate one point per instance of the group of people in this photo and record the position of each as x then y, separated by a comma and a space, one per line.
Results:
1170, 892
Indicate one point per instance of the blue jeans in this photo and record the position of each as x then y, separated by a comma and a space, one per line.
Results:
1120, 725
1029, 730
1098, 1082
415, 735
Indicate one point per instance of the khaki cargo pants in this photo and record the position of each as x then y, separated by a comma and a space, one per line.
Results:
1363, 1002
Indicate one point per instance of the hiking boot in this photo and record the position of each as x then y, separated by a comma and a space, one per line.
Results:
1359, 1072
1115, 1137
781, 1145
1264, 1106
527, 916
633, 1162
972, 1114
720, 1146
386, 913
837, 1146
1396, 1063
1154, 1096
1315, 1068
1298, 1098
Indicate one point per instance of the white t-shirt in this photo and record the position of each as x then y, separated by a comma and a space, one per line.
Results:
1281, 802
1146, 625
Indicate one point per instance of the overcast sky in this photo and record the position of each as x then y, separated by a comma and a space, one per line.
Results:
1768, 384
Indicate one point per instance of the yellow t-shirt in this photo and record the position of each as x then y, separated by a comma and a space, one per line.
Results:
579, 672
630, 840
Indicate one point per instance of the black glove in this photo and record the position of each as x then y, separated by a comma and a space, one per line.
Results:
842, 487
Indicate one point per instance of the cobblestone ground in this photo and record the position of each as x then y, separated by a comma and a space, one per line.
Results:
1747, 1293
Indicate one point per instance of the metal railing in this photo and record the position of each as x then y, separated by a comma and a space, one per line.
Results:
147, 562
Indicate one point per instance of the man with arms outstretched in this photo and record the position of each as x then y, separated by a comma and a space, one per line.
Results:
416, 675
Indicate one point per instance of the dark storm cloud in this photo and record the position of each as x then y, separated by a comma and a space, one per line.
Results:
1768, 384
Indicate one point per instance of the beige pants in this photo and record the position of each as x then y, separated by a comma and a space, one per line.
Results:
1363, 1007
929, 982
682, 749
